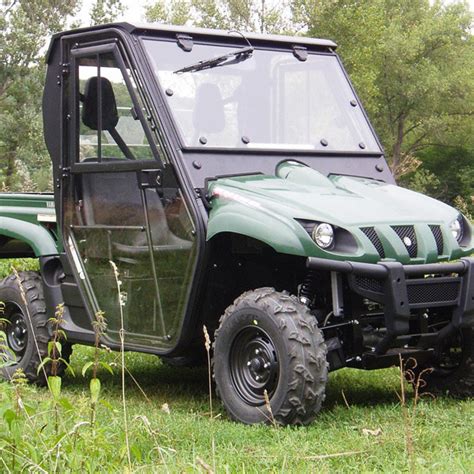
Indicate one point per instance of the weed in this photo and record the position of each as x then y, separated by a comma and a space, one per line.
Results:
207, 345
55, 350
7, 356
99, 325
121, 303
269, 408
408, 375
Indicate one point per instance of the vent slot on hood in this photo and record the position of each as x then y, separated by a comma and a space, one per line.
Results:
408, 237
374, 238
438, 235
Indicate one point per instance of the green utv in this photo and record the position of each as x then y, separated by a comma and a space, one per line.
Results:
235, 182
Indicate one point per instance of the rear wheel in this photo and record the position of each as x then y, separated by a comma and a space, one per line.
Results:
27, 339
268, 342
451, 370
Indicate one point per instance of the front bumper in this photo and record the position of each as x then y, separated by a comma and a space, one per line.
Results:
403, 288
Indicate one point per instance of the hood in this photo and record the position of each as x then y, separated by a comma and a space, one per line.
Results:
304, 193
356, 204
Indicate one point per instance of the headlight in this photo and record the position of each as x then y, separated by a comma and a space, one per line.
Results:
456, 228
323, 235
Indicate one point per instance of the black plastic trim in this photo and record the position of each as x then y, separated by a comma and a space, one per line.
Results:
395, 280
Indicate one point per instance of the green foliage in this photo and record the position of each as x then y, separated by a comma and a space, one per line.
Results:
408, 61
445, 174
172, 440
7, 356
106, 11
244, 15
25, 28
425, 182
21, 264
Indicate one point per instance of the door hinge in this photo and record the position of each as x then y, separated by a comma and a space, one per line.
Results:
65, 172
65, 69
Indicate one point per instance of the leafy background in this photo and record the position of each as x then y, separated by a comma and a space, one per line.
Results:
411, 63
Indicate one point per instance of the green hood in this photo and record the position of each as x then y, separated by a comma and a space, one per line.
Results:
264, 207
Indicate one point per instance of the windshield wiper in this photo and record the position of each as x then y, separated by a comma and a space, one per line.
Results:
237, 56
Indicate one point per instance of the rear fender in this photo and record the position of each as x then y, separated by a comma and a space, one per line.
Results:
36, 237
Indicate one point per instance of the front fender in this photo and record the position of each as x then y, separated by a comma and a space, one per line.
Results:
38, 238
282, 234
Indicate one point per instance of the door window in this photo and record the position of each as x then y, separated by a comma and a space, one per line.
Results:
109, 125
149, 238
133, 218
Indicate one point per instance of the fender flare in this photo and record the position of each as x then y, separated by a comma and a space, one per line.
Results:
37, 237
281, 234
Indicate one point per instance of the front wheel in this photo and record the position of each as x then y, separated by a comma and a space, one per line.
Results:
268, 345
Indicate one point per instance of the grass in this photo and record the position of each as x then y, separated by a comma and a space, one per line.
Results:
361, 428
177, 441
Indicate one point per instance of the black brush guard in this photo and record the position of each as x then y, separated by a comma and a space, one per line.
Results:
403, 288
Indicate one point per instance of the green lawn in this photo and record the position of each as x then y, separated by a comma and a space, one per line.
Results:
182, 440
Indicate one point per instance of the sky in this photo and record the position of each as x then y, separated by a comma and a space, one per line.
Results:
135, 9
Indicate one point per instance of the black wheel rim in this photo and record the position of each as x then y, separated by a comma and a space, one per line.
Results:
16, 330
254, 365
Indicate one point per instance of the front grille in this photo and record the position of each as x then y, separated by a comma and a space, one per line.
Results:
434, 292
374, 238
369, 284
408, 237
438, 236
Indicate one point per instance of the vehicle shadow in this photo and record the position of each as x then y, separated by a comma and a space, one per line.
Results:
346, 387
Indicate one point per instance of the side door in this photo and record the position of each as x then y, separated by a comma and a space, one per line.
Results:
127, 228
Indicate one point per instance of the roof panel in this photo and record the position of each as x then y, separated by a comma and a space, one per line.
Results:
169, 29
251, 36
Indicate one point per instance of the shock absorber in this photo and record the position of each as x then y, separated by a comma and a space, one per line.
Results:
308, 288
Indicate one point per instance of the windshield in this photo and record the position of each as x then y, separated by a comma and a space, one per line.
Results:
268, 100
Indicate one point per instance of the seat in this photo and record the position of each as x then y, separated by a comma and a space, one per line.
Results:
114, 199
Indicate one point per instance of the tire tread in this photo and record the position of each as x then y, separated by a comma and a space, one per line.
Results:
307, 352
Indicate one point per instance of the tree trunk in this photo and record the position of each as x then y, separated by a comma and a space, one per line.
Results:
10, 170
397, 146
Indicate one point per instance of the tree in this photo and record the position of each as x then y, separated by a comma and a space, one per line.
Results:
25, 26
106, 11
409, 62
243, 15
439, 178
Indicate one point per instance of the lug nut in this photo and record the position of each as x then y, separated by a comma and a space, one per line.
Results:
257, 351
249, 364
266, 365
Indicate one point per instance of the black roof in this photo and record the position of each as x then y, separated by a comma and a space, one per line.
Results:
169, 29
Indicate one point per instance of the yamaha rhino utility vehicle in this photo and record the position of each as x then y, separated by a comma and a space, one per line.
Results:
235, 182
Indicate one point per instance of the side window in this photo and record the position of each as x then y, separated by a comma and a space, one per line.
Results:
109, 127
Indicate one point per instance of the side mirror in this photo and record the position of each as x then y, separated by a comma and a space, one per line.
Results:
108, 106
